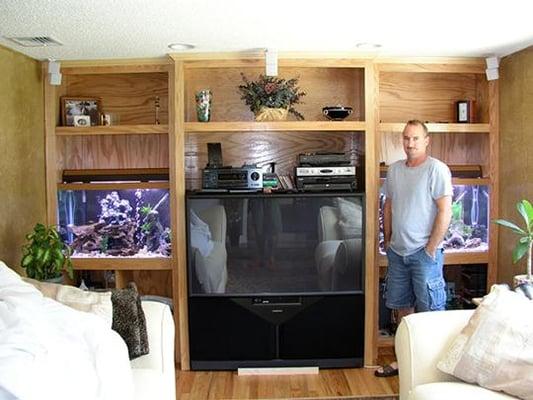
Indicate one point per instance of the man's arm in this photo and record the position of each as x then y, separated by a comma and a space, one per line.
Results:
440, 226
387, 221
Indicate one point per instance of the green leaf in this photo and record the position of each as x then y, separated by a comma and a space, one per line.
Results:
26, 260
529, 211
519, 251
522, 210
510, 225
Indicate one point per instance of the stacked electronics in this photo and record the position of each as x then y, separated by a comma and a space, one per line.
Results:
217, 177
317, 172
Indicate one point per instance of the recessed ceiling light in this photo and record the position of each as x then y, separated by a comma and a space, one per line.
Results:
368, 46
180, 46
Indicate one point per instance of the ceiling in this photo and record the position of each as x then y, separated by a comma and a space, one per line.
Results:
99, 29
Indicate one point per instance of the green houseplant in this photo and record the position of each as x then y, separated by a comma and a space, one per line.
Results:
46, 255
525, 240
270, 93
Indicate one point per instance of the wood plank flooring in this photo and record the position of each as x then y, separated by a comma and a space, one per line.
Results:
356, 383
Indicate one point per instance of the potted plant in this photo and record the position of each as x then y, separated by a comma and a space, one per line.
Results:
45, 256
525, 240
271, 98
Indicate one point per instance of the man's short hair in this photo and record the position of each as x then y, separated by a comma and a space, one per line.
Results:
417, 122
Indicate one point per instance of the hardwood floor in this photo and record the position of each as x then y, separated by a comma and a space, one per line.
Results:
328, 384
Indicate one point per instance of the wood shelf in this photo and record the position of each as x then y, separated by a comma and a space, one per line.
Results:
127, 264
144, 129
478, 257
113, 186
471, 181
275, 126
437, 127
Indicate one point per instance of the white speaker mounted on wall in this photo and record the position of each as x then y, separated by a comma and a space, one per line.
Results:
54, 72
271, 62
492, 68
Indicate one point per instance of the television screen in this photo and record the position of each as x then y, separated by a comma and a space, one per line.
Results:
251, 243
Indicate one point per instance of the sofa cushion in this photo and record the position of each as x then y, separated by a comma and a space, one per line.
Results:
455, 391
495, 349
98, 303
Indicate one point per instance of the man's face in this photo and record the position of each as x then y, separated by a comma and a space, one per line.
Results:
415, 142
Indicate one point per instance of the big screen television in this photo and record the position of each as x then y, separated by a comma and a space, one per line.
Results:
275, 279
275, 244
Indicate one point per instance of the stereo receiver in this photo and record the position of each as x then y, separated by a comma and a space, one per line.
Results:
232, 178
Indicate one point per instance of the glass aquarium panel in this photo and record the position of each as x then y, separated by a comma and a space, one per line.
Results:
468, 231
115, 223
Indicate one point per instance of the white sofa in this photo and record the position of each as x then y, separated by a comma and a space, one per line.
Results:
154, 374
421, 341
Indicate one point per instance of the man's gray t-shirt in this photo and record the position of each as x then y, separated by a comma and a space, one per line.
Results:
413, 191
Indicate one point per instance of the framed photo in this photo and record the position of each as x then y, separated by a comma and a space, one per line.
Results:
465, 111
79, 106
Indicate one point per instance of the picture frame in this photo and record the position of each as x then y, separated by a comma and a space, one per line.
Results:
75, 106
465, 111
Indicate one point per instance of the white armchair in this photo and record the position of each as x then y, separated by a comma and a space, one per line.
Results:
421, 341
154, 374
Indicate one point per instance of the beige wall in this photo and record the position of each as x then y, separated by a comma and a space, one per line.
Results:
22, 174
516, 150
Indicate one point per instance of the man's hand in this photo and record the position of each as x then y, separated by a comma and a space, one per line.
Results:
431, 251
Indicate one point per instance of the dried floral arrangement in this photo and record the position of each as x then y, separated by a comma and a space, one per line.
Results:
271, 92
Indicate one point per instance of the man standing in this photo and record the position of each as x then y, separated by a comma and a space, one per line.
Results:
417, 214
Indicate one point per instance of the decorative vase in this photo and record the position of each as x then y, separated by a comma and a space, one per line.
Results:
271, 114
203, 105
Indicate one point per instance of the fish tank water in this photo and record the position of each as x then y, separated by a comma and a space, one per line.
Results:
469, 226
115, 223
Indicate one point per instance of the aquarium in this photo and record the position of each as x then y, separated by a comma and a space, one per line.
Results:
115, 223
469, 226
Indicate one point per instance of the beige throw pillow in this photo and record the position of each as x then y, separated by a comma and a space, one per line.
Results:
98, 303
495, 349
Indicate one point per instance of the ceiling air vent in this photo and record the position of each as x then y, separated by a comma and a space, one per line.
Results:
36, 41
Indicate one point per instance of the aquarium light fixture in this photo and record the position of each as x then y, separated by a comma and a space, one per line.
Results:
115, 175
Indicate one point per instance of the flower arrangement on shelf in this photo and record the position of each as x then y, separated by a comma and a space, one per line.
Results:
271, 98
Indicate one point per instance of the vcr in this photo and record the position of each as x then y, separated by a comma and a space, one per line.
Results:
325, 178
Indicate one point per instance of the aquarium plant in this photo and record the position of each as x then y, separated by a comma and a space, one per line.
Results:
45, 256
525, 234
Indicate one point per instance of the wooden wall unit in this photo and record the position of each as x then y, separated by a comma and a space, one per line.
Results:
135, 141
383, 93
428, 92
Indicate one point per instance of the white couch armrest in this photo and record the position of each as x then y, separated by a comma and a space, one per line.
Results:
161, 331
421, 340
